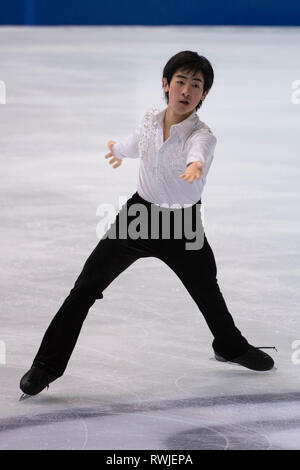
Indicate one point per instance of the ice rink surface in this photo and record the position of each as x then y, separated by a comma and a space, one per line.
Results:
142, 375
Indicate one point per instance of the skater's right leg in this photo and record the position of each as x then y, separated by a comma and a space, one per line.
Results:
110, 257
105, 263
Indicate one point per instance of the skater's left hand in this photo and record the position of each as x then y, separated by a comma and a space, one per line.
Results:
193, 171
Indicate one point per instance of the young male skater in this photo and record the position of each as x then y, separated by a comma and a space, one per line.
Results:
175, 150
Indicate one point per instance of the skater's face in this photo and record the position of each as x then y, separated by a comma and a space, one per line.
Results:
185, 86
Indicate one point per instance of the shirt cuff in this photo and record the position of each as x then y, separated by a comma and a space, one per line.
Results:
192, 159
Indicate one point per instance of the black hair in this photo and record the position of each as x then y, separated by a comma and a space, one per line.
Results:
191, 62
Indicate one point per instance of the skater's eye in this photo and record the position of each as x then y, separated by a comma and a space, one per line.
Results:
180, 81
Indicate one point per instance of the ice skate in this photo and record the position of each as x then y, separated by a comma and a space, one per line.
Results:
253, 359
34, 381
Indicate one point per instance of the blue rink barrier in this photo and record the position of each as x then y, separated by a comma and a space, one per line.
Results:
150, 12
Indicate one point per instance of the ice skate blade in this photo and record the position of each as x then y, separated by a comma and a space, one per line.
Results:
24, 396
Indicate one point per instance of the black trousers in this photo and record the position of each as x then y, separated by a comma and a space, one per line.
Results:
195, 268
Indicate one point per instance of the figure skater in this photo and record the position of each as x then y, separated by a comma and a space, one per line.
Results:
175, 150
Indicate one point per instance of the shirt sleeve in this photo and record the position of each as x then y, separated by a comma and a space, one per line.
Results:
128, 147
201, 148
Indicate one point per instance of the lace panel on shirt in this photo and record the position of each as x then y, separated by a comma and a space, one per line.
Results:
147, 142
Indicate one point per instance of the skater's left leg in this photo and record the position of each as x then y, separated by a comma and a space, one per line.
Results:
197, 270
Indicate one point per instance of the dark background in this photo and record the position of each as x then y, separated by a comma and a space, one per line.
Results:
150, 12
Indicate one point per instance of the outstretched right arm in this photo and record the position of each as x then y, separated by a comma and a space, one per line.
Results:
128, 148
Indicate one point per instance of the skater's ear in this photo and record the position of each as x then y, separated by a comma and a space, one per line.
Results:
205, 93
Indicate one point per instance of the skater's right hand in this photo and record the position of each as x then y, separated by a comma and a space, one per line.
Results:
114, 159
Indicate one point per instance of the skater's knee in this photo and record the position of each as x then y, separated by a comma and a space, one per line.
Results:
87, 289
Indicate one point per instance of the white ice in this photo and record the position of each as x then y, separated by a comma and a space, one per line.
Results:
142, 374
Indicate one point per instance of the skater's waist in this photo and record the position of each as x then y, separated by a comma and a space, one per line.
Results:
138, 199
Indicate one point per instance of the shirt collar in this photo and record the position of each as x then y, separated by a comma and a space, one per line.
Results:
183, 127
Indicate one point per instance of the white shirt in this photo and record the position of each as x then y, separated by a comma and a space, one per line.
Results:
162, 162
